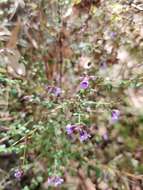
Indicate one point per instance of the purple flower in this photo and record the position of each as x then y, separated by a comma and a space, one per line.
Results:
84, 83
105, 137
18, 174
53, 90
57, 91
55, 181
113, 34
103, 65
70, 129
115, 115
84, 135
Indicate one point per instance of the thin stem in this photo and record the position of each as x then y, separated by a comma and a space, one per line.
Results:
61, 47
24, 154
79, 118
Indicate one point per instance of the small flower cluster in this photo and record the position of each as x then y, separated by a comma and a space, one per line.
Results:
54, 90
18, 173
113, 34
83, 134
55, 181
84, 84
115, 114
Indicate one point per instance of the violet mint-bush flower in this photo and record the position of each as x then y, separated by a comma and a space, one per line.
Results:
55, 181
115, 115
83, 135
105, 137
53, 90
57, 91
70, 129
112, 34
18, 174
84, 84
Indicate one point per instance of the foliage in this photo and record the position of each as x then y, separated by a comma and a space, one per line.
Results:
71, 94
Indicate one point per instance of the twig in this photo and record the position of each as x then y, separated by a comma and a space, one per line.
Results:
139, 7
115, 170
7, 118
61, 47
3, 140
26, 136
84, 26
